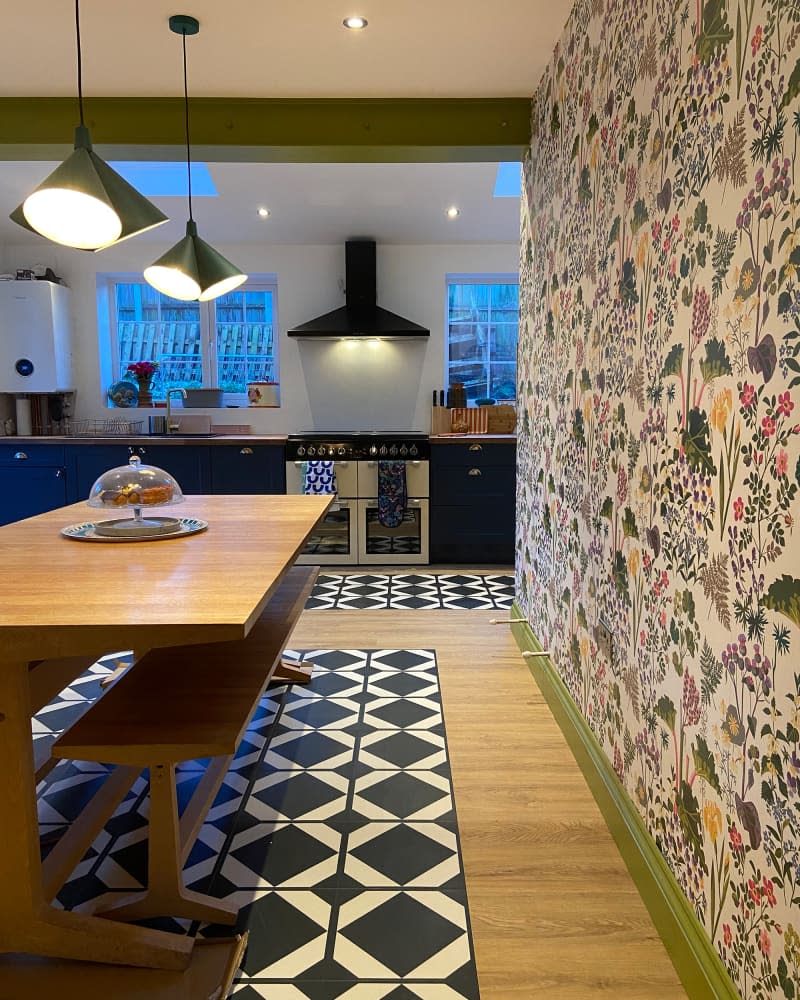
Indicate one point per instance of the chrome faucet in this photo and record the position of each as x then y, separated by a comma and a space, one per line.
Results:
170, 428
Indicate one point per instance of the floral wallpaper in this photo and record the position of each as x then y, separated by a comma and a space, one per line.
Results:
659, 443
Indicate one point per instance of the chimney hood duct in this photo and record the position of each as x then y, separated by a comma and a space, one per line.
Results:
360, 316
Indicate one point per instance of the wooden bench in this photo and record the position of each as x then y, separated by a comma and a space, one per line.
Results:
177, 704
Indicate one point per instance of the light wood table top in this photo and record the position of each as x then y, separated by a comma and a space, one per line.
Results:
65, 598
59, 596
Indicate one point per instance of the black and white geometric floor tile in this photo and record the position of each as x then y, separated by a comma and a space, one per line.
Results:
411, 591
334, 831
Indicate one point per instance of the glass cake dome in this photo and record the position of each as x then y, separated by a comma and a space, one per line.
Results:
136, 486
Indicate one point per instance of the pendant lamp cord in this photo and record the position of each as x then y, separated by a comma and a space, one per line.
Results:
80, 67
186, 109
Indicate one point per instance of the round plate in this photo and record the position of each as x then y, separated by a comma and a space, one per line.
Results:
85, 532
124, 393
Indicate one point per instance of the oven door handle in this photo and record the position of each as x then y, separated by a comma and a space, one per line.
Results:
372, 465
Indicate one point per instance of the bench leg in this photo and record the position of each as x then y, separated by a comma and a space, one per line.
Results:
166, 895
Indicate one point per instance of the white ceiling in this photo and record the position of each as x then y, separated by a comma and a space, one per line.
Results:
318, 203
284, 48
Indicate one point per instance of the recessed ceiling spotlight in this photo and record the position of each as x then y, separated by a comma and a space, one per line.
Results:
453, 212
355, 23
263, 213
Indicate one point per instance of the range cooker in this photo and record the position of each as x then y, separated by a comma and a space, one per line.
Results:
351, 532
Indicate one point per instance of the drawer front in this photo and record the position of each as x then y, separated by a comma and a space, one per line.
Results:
248, 469
465, 484
474, 454
31, 454
489, 522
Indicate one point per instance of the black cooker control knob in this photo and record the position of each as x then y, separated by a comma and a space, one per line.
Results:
382, 450
312, 450
301, 450
412, 450
393, 450
403, 449
341, 450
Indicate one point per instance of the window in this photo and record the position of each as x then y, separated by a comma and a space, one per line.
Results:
221, 344
481, 334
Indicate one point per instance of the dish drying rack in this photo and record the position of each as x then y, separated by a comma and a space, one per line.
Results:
105, 428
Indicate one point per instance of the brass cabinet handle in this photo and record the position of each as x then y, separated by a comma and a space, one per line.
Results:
20, 456
59, 473
142, 451
130, 450
245, 451
475, 447
474, 472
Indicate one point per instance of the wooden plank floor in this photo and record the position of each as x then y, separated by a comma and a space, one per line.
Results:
554, 912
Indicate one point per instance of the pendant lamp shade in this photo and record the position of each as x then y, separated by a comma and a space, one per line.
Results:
85, 204
192, 270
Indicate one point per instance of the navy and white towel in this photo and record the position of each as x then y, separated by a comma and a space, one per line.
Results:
319, 477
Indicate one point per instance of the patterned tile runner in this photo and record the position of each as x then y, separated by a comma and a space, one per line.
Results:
335, 831
411, 591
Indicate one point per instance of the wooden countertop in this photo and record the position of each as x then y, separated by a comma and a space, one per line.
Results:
141, 439
471, 438
207, 587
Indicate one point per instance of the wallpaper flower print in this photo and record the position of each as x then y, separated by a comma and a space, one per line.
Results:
659, 444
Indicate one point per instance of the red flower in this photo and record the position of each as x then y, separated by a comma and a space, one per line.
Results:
738, 509
764, 943
143, 368
753, 889
785, 404
736, 840
768, 891
727, 937
755, 42
747, 395
781, 463
768, 426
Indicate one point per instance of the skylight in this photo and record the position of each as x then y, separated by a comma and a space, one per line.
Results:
508, 183
166, 179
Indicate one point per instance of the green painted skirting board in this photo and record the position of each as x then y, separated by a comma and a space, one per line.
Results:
696, 961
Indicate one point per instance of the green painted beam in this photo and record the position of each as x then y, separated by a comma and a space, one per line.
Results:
268, 130
693, 954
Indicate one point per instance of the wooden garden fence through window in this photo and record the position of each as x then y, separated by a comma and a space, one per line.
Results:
244, 352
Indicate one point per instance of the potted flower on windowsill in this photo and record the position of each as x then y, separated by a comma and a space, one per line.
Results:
144, 372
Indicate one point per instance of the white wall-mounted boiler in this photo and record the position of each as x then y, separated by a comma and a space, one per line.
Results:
35, 337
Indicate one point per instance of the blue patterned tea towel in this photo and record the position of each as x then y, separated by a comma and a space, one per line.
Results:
391, 493
319, 477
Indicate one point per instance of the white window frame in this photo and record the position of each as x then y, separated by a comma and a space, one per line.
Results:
208, 328
464, 278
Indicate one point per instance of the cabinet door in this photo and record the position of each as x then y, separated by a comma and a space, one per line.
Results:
185, 462
248, 468
26, 491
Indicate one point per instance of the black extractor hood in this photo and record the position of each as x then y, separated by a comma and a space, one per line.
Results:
360, 316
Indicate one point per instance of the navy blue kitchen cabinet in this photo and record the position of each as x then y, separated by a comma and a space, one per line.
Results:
187, 463
32, 480
248, 468
472, 505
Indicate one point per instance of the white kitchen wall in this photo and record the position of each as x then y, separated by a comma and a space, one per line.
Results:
328, 385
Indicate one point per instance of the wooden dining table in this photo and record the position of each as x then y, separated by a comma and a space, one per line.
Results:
65, 602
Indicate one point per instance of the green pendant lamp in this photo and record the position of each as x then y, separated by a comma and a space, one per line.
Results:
192, 269
84, 203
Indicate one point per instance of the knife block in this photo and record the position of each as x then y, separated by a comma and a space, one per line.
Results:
440, 420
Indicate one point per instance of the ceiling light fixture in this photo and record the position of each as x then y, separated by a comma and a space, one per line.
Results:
83, 203
263, 213
192, 269
355, 23
453, 212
